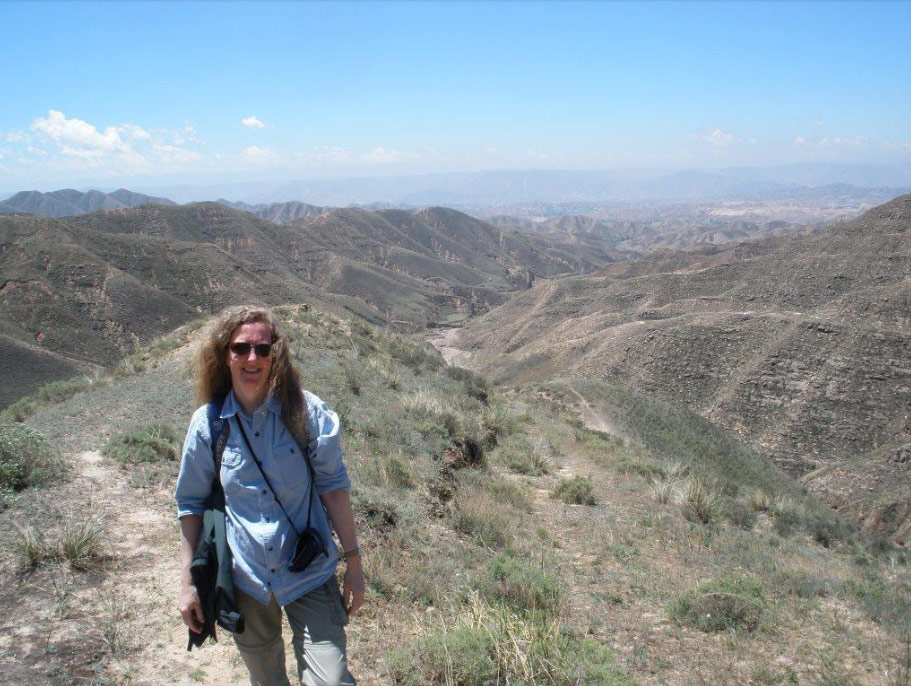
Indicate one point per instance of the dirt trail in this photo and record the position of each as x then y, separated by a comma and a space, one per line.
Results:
446, 343
592, 418
118, 621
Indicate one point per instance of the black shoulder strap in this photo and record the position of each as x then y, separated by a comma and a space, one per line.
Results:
218, 430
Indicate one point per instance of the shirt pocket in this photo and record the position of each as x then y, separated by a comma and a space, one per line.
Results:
235, 476
290, 466
230, 457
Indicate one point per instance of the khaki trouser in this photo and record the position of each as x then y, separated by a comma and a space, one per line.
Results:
317, 622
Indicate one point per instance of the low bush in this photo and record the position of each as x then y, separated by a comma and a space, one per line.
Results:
26, 459
79, 542
475, 385
740, 514
523, 586
484, 518
629, 465
150, 444
760, 500
463, 655
787, 521
575, 490
496, 646
728, 603
521, 456
701, 501
54, 392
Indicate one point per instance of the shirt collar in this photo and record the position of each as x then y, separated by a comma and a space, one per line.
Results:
232, 407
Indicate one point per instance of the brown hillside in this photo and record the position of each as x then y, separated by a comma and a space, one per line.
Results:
90, 287
800, 345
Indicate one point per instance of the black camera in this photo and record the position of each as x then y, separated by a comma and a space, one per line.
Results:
308, 547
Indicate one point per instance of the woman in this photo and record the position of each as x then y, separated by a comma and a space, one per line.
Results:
268, 501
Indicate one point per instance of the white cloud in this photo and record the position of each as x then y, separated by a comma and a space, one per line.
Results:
18, 137
37, 151
329, 153
174, 154
381, 155
252, 122
717, 138
833, 142
837, 141
185, 135
256, 154
133, 131
78, 138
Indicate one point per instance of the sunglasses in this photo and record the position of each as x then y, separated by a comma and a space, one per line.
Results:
243, 349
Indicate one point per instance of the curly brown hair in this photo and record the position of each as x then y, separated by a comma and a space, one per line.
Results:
213, 377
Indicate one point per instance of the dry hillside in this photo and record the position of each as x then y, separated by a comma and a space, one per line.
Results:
798, 345
505, 542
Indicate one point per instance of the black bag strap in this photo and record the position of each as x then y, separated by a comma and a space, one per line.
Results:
262, 471
219, 429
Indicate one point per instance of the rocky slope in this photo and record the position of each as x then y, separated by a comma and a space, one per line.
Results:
799, 345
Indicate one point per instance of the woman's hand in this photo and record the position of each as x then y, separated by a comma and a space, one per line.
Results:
191, 609
354, 586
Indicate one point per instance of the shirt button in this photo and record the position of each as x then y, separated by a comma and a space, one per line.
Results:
272, 570
256, 433
292, 451
269, 548
265, 491
267, 519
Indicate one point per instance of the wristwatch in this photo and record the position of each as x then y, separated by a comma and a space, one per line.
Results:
354, 552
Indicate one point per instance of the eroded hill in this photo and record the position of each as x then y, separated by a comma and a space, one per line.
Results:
90, 287
799, 345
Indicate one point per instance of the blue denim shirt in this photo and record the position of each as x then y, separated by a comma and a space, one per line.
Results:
259, 535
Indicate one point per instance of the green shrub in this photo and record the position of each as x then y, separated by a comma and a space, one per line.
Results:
463, 655
701, 501
354, 377
884, 603
26, 459
522, 585
760, 500
150, 444
575, 490
787, 522
521, 456
80, 542
630, 465
484, 518
475, 385
723, 604
53, 392
411, 355
498, 423
802, 584
496, 646
740, 514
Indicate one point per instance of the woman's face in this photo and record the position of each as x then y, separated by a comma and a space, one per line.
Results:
250, 372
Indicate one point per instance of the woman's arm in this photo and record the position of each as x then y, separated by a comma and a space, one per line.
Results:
354, 586
190, 608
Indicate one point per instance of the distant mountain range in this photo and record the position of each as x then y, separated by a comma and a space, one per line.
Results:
69, 202
495, 191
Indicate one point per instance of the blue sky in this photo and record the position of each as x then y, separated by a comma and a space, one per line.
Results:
121, 92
